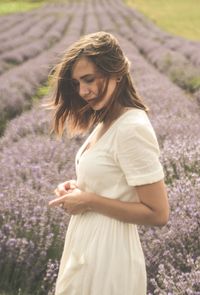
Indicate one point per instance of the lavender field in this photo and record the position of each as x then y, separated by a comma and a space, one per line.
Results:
166, 70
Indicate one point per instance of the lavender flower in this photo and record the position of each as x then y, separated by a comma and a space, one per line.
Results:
32, 163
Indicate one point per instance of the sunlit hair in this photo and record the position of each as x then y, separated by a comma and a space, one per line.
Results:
71, 112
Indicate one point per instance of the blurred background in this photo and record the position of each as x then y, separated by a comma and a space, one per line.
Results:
162, 41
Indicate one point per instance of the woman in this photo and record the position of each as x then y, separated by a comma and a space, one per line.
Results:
119, 177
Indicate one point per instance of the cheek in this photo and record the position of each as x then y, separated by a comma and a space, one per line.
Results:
96, 87
99, 87
111, 88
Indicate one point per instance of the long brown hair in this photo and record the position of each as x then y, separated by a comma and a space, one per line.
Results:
70, 110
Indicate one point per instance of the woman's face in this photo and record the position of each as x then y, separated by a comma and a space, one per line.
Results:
86, 81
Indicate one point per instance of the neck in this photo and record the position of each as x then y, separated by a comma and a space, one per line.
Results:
116, 114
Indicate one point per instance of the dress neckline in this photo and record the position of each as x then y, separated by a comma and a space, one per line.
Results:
84, 150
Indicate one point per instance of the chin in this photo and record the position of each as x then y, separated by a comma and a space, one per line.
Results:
97, 108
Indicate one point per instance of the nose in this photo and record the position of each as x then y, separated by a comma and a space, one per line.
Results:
83, 90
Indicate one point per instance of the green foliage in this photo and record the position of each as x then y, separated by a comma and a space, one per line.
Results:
194, 83
41, 92
3, 122
13, 6
9, 6
180, 17
186, 80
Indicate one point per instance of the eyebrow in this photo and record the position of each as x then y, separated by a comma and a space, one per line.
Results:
83, 77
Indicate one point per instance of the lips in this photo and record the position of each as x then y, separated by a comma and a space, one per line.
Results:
91, 100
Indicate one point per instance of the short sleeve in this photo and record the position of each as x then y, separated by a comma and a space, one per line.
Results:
137, 153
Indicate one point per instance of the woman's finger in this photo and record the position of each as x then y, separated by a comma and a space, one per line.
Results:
57, 201
60, 191
56, 192
73, 185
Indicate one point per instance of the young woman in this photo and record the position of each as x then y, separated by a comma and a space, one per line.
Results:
120, 180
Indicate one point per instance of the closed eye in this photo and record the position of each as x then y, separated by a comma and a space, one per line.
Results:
89, 80
86, 79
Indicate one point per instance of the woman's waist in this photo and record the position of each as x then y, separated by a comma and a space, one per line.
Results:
90, 232
94, 224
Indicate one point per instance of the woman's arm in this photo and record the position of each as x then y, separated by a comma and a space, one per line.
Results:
153, 209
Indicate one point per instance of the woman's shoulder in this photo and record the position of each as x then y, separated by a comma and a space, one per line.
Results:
133, 117
135, 124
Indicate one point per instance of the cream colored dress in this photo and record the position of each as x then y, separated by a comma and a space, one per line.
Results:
102, 255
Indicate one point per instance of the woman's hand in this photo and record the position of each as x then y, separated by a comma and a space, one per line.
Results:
65, 187
74, 202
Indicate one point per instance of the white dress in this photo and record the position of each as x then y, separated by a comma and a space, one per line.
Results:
102, 255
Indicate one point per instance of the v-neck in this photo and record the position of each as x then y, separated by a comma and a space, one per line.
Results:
84, 150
